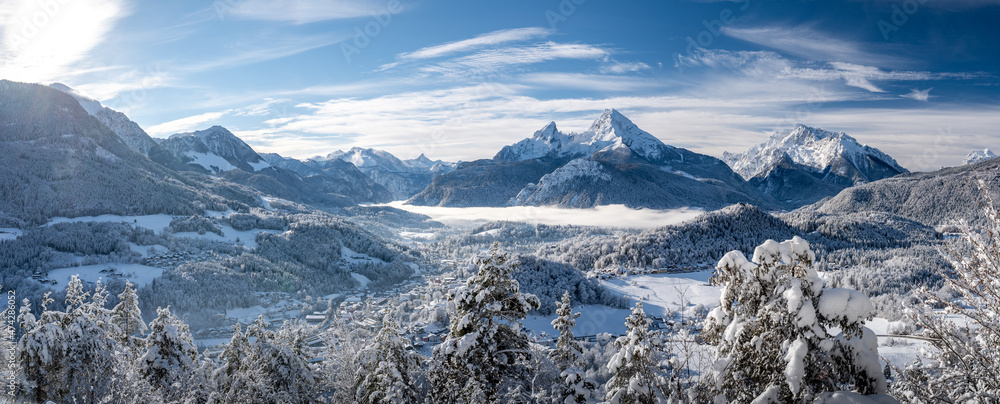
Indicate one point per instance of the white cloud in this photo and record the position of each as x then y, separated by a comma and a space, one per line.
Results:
47, 41
595, 82
299, 11
805, 42
624, 67
495, 62
484, 40
184, 124
919, 95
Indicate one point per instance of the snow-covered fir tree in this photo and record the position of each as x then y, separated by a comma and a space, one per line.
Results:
70, 355
169, 356
635, 376
127, 317
965, 367
773, 331
388, 372
486, 353
575, 387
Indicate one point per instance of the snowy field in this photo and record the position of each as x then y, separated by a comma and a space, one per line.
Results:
230, 235
140, 275
604, 216
153, 222
9, 233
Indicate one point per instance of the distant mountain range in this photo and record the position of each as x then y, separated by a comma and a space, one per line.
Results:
68, 155
403, 178
613, 162
804, 164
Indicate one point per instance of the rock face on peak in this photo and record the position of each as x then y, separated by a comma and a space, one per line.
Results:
612, 162
612, 135
803, 165
125, 128
979, 156
215, 150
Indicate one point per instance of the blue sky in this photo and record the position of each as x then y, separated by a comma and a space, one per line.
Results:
459, 79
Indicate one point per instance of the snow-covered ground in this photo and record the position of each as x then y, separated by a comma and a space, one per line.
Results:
140, 275
668, 291
230, 235
605, 216
9, 233
593, 320
363, 280
353, 257
144, 250
153, 222
414, 236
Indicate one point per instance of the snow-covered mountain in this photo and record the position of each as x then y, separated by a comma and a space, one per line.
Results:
125, 128
612, 134
404, 178
979, 156
613, 162
804, 164
66, 162
215, 149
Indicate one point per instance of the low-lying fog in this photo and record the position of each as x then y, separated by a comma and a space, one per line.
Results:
603, 216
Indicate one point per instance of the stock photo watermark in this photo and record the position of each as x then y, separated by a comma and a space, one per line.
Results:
33, 24
10, 345
900, 16
363, 35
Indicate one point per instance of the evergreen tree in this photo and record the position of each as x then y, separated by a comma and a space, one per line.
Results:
575, 387
169, 354
772, 329
486, 352
128, 318
634, 374
387, 371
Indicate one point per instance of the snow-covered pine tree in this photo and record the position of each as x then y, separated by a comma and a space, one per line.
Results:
772, 328
966, 365
567, 352
169, 355
285, 361
575, 387
388, 372
70, 355
239, 380
128, 319
634, 374
486, 353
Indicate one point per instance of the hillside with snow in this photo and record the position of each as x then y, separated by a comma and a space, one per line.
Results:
977, 156
804, 164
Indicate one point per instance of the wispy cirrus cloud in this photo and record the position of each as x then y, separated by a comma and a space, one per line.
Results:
478, 42
497, 61
623, 67
805, 42
301, 11
184, 124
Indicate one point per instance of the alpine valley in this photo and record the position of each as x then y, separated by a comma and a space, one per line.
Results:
194, 268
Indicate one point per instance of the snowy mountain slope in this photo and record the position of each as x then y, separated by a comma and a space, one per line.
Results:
65, 162
805, 164
125, 128
613, 162
611, 134
404, 178
215, 150
979, 156
933, 198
